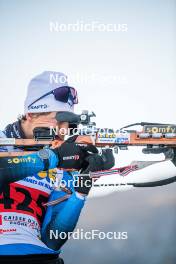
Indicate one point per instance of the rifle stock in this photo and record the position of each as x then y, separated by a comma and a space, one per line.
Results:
121, 140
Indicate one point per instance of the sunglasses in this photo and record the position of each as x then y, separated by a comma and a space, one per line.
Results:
64, 94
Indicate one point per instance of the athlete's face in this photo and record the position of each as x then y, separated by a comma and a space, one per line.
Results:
48, 120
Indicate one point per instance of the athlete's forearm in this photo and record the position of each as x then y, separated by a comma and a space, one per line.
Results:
63, 220
17, 168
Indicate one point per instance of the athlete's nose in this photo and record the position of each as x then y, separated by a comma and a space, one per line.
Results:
63, 129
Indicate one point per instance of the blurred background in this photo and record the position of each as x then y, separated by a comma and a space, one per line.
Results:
147, 215
124, 76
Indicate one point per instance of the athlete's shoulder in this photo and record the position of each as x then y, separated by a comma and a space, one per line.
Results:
4, 148
2, 134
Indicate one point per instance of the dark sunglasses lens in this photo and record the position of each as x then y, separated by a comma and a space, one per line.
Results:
62, 94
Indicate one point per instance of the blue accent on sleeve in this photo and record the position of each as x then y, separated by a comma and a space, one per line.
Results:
62, 217
67, 218
28, 165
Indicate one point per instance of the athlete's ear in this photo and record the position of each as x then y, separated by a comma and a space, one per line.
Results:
29, 116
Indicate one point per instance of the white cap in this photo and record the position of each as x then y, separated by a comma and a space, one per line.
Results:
42, 84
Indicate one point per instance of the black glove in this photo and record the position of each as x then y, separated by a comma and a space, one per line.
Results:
95, 162
72, 156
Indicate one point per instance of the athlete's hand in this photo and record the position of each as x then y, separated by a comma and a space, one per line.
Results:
95, 162
73, 156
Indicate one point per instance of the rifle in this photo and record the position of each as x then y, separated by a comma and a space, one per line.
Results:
153, 136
